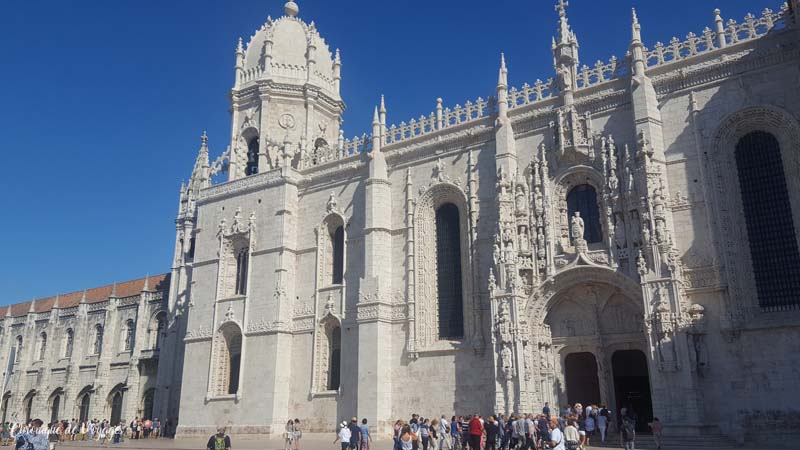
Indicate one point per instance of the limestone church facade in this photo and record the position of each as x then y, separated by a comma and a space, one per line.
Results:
621, 232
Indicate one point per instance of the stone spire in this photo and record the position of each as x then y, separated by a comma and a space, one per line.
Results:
239, 62
146, 286
382, 112
637, 47
502, 89
565, 55
506, 157
56, 302
32, 309
200, 173
337, 70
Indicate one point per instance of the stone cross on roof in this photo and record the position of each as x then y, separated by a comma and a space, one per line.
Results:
561, 7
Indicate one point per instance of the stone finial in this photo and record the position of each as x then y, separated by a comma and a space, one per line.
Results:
561, 7
502, 78
56, 302
83, 296
636, 27
114, 289
291, 9
32, 309
383, 105
375, 118
146, 286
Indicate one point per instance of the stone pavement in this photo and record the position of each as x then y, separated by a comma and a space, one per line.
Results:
308, 443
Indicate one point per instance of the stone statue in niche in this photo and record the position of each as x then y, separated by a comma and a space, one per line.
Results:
507, 362
521, 201
538, 201
541, 252
503, 324
578, 226
698, 349
619, 231
565, 77
524, 241
510, 257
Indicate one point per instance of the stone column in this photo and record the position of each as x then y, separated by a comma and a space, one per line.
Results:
374, 388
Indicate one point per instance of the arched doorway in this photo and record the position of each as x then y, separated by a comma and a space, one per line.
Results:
632, 385
85, 401
147, 404
55, 405
6, 400
29, 406
583, 384
116, 407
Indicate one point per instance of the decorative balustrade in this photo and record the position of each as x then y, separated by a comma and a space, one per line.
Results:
532, 94
603, 72
751, 28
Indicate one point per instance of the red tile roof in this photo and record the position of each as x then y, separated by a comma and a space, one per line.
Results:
94, 295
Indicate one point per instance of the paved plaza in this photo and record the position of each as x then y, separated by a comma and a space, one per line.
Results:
317, 442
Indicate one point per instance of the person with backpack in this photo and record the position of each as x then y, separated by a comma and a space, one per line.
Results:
219, 441
627, 434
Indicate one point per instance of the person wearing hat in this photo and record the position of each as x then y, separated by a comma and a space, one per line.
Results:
219, 441
344, 435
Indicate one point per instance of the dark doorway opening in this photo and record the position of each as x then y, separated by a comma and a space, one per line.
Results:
632, 386
56, 409
116, 408
583, 386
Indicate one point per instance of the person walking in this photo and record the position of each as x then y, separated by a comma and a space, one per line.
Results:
492, 433
627, 433
366, 440
117, 433
475, 433
572, 439
455, 432
556, 436
602, 422
297, 434
657, 429
343, 436
288, 436
219, 441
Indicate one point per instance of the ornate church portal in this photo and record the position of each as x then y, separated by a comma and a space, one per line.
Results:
598, 345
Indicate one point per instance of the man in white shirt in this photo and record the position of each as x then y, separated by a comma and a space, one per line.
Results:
556, 436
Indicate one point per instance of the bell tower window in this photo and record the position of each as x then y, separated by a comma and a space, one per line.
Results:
252, 157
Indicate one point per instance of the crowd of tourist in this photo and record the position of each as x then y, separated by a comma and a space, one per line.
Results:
34, 435
573, 428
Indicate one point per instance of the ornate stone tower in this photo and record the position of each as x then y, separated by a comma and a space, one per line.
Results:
286, 90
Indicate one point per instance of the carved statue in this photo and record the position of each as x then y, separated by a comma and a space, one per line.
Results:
496, 256
520, 200
332, 203
510, 257
524, 242
613, 182
538, 201
503, 324
507, 235
578, 227
619, 231
507, 362
565, 77
541, 253
641, 264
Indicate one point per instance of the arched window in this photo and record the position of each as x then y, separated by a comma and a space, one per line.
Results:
19, 349
335, 358
448, 264
583, 199
768, 215
338, 255
226, 363
252, 157
6, 400
42, 346
69, 344
130, 330
241, 272
161, 329
85, 402
98, 339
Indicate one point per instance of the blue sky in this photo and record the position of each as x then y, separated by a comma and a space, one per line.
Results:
103, 102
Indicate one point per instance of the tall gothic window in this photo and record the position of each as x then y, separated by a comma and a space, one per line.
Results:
335, 359
130, 329
338, 255
42, 345
19, 349
770, 227
583, 199
241, 272
252, 157
98, 339
448, 264
69, 344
